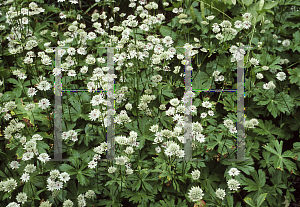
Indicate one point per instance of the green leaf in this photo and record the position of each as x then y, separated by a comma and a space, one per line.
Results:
249, 201
261, 199
136, 185
192, 12
247, 2
295, 75
284, 102
68, 168
260, 5
42, 146
269, 129
82, 179
167, 31
147, 186
279, 159
270, 5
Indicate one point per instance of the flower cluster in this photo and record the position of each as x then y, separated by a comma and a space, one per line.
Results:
53, 184
229, 124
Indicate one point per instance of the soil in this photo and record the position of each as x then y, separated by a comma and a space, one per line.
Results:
296, 193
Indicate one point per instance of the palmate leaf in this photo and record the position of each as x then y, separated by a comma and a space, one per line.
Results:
294, 75
279, 159
269, 129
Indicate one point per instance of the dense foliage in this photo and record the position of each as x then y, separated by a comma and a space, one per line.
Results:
150, 102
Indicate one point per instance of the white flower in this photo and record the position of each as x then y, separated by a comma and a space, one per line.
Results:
44, 86
129, 150
154, 128
14, 165
259, 76
206, 104
174, 101
247, 16
94, 114
233, 172
44, 103
203, 115
92, 164
195, 174
21, 197
111, 169
286, 43
266, 86
25, 177
129, 171
265, 67
44, 157
158, 149
13, 204
233, 184
232, 130
175, 10
216, 73
210, 113
238, 24
210, 17
228, 123
64, 176
254, 61
254, 121
220, 193
219, 36
128, 106
58, 185
281, 76
196, 193
246, 24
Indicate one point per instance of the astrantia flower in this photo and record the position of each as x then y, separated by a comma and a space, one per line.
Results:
14, 165
259, 76
254, 121
233, 184
265, 67
64, 176
210, 17
154, 128
30, 168
228, 123
94, 114
92, 164
206, 104
281, 76
247, 16
286, 43
195, 174
21, 197
44, 157
111, 169
68, 203
233, 130
254, 61
44, 103
25, 177
233, 172
238, 24
203, 115
220, 193
158, 149
246, 24
196, 194
129, 171
210, 113
44, 86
